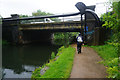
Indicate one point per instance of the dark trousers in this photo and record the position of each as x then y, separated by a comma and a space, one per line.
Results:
79, 47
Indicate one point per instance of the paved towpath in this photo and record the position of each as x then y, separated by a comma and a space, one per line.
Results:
86, 65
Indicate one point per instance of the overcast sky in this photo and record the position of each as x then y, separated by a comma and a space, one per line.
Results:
26, 7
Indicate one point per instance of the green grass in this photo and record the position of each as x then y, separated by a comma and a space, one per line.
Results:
110, 59
61, 68
107, 52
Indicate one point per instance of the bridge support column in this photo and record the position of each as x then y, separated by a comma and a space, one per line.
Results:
96, 36
100, 35
15, 29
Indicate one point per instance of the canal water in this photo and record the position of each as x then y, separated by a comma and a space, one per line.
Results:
20, 61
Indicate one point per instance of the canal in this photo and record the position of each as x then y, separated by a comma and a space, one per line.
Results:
20, 61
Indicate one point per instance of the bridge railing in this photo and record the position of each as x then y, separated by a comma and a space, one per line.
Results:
52, 20
15, 20
39, 17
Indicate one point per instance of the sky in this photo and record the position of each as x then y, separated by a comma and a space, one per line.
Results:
26, 7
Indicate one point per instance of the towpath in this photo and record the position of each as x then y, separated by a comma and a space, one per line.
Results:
86, 64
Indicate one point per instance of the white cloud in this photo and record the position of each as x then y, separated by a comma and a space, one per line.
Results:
8, 7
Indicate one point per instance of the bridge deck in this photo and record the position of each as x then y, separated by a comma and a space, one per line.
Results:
74, 25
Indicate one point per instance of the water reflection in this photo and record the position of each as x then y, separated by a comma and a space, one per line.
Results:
20, 61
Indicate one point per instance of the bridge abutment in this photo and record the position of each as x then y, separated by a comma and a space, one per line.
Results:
100, 35
10, 30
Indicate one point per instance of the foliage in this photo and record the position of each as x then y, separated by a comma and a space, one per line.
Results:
52, 55
36, 73
60, 68
110, 59
22, 16
40, 13
64, 38
61, 48
113, 72
25, 21
112, 68
43, 13
112, 21
64, 35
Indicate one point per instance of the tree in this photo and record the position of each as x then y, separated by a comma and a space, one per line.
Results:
112, 21
24, 21
22, 16
41, 13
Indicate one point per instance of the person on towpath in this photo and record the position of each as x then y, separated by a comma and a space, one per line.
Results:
80, 42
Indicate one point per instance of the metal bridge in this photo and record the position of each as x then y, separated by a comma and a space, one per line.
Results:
13, 30
74, 26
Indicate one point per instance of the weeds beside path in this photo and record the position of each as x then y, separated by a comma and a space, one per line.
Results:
86, 65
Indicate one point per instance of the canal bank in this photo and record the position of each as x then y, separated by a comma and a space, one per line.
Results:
19, 61
57, 68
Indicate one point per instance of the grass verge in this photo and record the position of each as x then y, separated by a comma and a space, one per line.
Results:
110, 59
107, 52
61, 68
